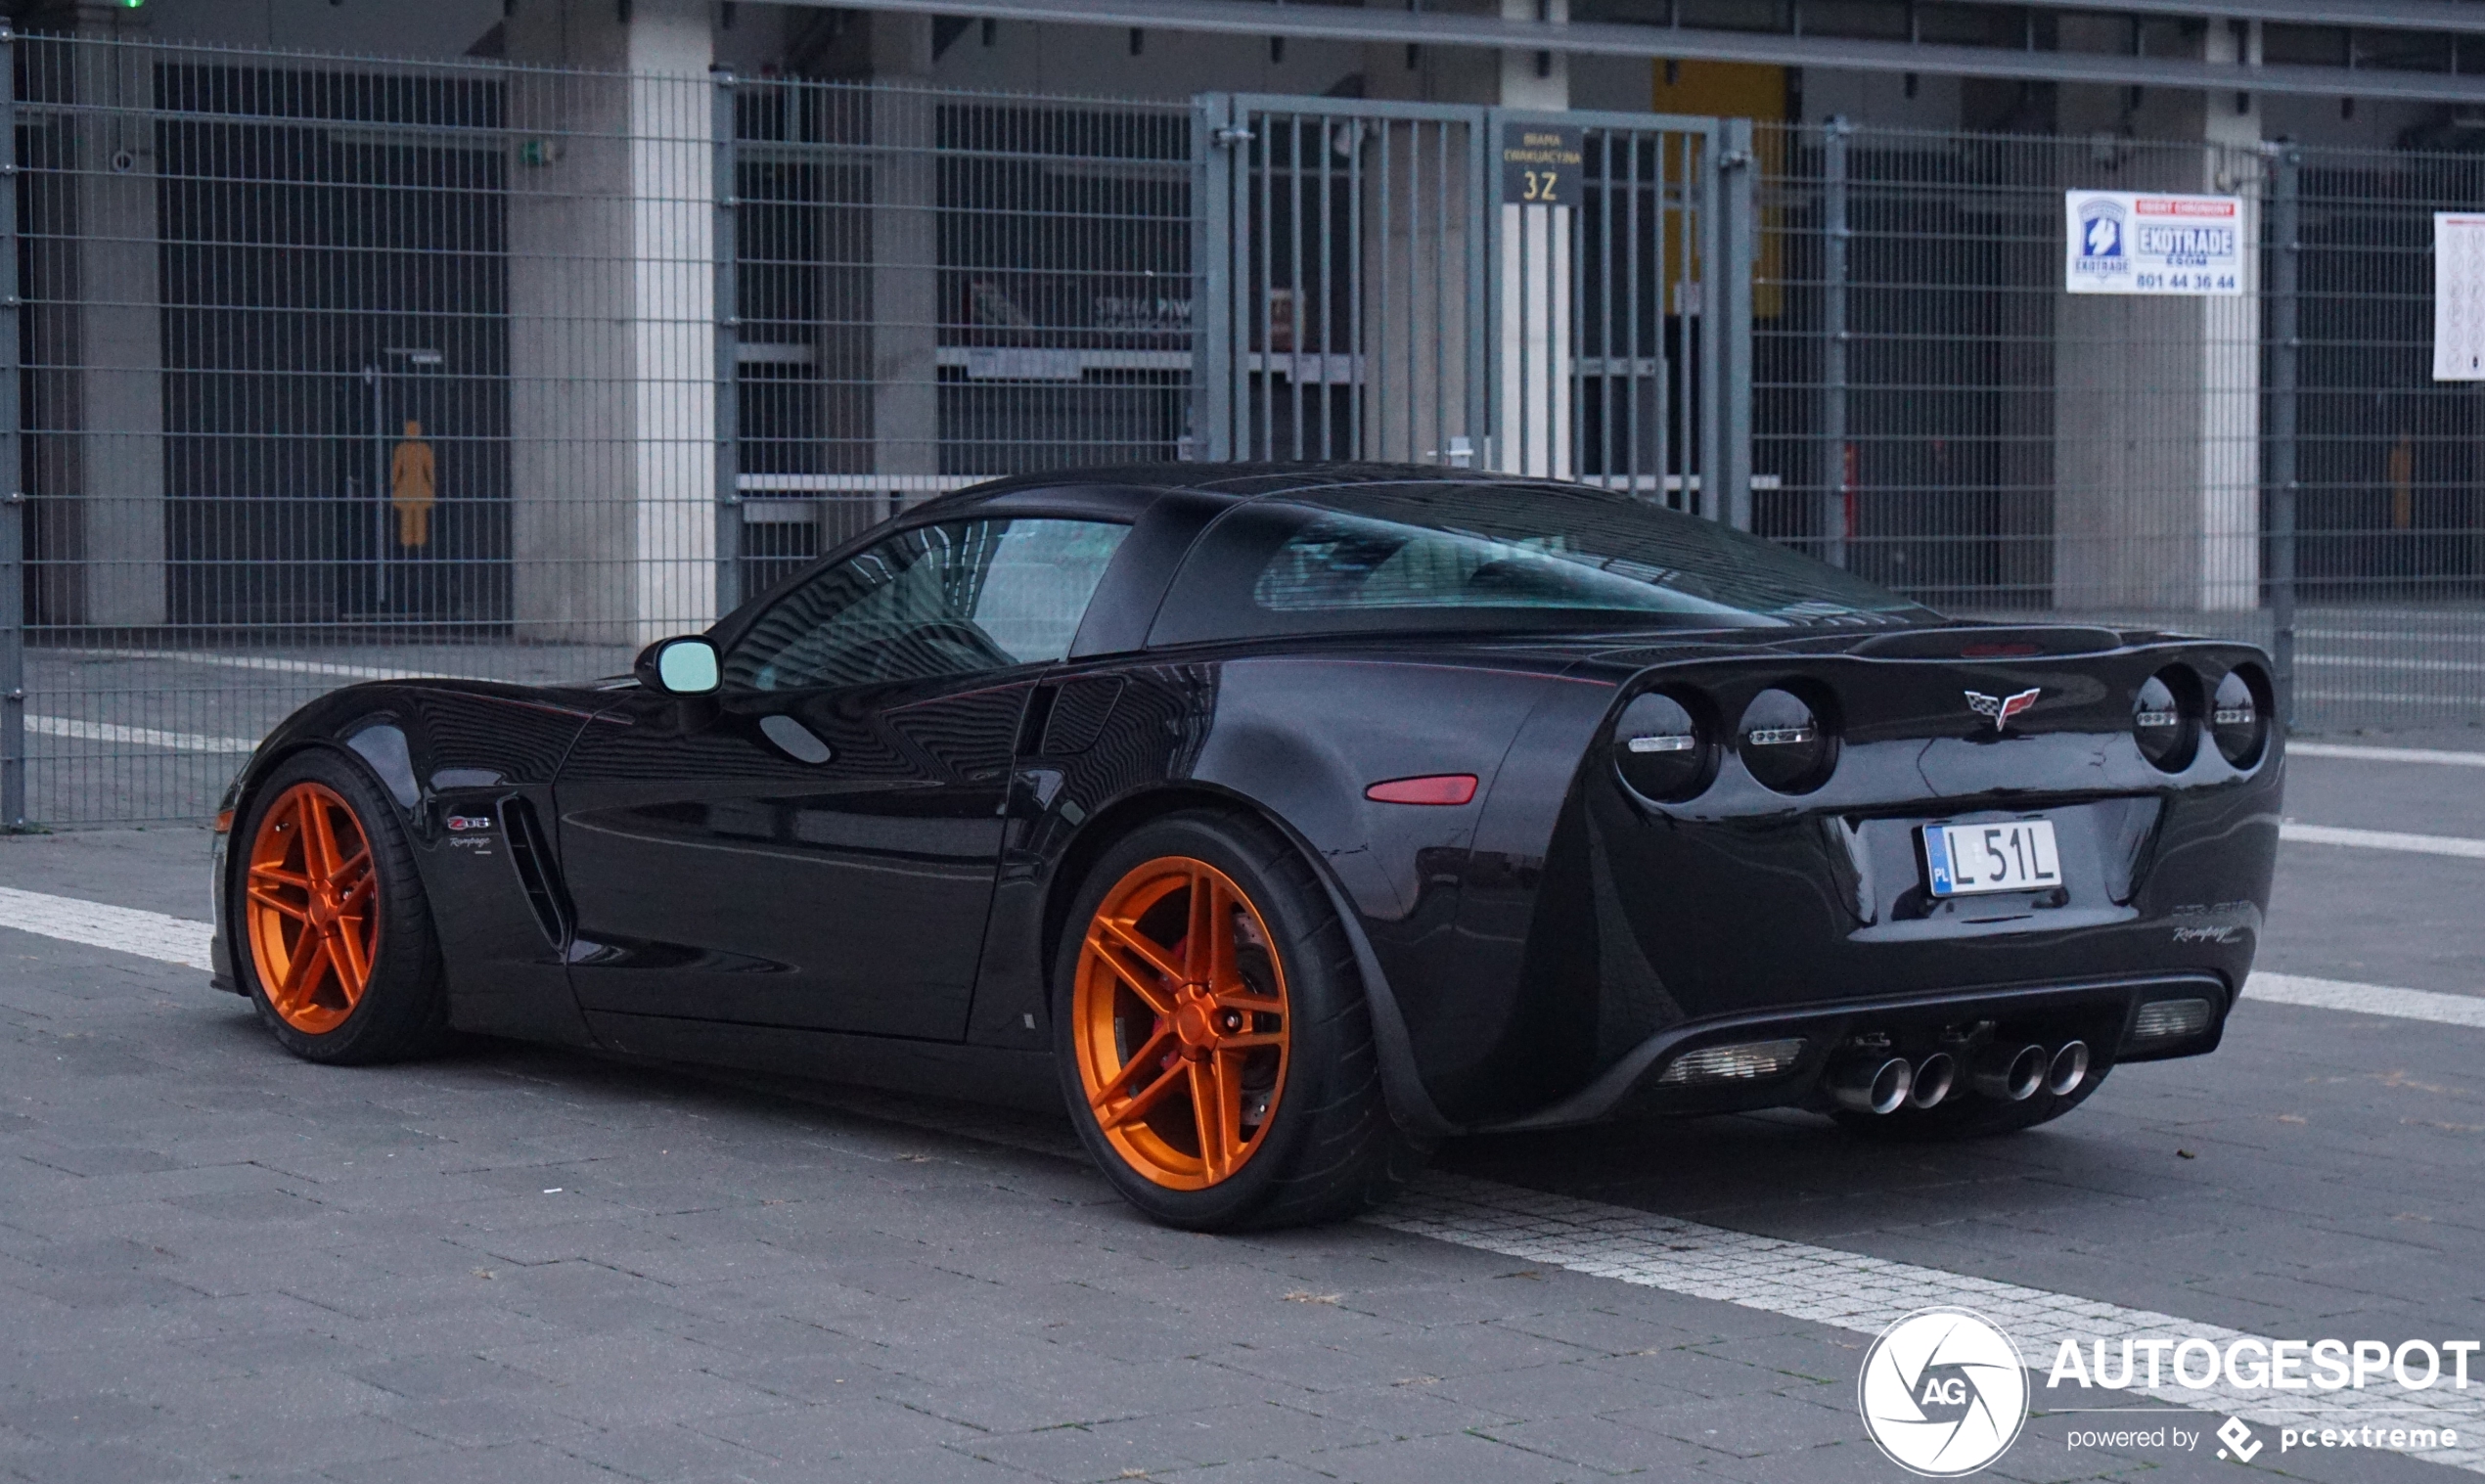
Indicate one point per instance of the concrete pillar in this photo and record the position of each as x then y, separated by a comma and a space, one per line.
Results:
905, 260
1534, 435
120, 323
1418, 272
900, 298
612, 389
2157, 400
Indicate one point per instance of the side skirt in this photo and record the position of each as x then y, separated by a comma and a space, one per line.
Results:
1020, 1079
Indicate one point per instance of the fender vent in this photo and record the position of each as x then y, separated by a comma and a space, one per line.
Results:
530, 856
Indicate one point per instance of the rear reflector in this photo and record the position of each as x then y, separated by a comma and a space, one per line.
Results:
2160, 1019
1744, 1061
1435, 788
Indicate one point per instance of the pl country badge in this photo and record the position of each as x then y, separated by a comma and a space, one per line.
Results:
1943, 1392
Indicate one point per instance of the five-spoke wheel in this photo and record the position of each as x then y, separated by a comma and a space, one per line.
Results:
1215, 1043
313, 909
330, 930
1179, 1016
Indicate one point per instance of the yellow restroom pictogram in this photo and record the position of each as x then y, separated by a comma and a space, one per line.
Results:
410, 486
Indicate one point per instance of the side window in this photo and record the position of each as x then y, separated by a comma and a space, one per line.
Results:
940, 599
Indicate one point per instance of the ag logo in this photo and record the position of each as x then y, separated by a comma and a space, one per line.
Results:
1943, 1392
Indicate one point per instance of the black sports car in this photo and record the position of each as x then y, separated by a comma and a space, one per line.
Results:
1283, 820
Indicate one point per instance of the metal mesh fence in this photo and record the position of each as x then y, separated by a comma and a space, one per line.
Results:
1943, 417
335, 369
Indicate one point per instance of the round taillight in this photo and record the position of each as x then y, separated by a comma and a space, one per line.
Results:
1662, 750
2161, 723
1784, 742
2240, 718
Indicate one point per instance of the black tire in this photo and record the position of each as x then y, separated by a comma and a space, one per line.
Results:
1968, 1114
403, 1010
1330, 1149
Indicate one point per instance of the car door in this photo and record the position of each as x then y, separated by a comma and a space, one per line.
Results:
815, 844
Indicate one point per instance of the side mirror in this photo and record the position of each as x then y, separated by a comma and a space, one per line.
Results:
683, 666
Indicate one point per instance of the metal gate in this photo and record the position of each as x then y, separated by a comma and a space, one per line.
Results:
1565, 295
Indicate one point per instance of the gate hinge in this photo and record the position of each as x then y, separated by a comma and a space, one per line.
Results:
1734, 160
1229, 135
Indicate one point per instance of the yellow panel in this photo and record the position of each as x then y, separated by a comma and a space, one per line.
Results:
1736, 90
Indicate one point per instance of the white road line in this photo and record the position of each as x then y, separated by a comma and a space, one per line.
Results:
148, 934
2419, 667
2367, 999
1850, 1291
143, 736
1846, 1291
2386, 755
2382, 840
260, 662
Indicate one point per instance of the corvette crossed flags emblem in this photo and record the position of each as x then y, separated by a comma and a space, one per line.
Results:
2001, 708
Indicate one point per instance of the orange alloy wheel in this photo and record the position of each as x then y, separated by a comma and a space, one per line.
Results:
1180, 1022
313, 908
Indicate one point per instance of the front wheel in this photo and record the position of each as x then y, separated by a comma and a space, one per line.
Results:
1214, 1043
335, 938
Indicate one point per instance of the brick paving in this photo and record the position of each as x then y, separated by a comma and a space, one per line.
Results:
217, 1262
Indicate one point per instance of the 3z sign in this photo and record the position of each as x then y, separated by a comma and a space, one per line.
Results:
1542, 163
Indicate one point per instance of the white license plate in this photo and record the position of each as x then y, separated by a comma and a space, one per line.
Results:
2015, 855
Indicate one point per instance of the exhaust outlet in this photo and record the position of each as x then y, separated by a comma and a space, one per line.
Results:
1935, 1075
2068, 1071
1871, 1083
2011, 1073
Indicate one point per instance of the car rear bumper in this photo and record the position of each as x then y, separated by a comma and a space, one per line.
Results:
2104, 1014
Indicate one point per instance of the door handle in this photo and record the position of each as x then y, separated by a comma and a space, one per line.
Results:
795, 740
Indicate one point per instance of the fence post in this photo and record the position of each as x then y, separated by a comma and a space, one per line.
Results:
13, 506
726, 249
1834, 271
1216, 365
1730, 303
2285, 344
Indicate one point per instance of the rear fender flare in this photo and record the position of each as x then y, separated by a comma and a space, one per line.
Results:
1411, 1104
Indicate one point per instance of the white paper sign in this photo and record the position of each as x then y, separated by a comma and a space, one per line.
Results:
2122, 242
2459, 296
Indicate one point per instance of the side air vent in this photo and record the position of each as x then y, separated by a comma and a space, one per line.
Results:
530, 856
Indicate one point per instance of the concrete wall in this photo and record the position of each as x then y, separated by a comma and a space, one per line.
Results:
612, 389
2157, 471
119, 334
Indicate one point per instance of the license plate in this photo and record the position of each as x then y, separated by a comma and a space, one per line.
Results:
2015, 855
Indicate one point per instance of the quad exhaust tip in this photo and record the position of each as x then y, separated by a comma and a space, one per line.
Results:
2014, 1074
1872, 1083
1934, 1078
2068, 1071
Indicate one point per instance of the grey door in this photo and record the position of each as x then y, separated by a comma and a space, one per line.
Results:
1534, 293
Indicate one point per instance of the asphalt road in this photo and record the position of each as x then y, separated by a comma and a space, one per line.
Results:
217, 1262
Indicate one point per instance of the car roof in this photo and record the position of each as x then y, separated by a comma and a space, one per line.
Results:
1143, 482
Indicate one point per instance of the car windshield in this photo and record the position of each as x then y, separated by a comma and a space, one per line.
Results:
1468, 554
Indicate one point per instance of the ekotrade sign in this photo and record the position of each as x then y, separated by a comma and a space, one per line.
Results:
2122, 242
1944, 1393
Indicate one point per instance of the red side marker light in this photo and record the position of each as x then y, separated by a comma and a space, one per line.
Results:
1433, 789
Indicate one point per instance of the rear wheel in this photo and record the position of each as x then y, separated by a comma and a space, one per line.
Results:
1216, 1047
335, 938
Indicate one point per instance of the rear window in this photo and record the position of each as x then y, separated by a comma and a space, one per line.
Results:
1483, 555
